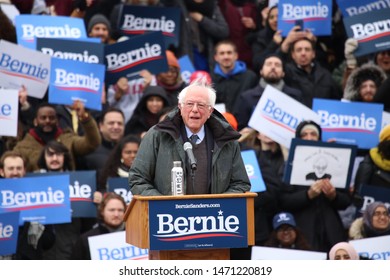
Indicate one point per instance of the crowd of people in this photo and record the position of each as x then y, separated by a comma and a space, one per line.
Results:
236, 50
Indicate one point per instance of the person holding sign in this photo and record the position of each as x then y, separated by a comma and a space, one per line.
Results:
110, 219
315, 207
220, 168
34, 238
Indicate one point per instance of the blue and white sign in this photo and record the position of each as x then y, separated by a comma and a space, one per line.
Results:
371, 30
81, 185
80, 50
375, 248
40, 199
133, 55
371, 194
197, 224
9, 106
253, 171
120, 186
310, 14
186, 68
277, 115
355, 123
9, 228
20, 66
30, 27
74, 80
139, 20
357, 7
113, 247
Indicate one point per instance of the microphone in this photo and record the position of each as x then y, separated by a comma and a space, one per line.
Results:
188, 149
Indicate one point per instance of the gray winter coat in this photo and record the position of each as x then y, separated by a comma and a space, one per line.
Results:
150, 173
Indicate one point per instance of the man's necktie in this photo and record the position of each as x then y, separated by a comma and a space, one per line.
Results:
75, 120
194, 138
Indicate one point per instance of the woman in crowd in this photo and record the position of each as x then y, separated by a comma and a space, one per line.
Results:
286, 235
375, 222
110, 219
343, 251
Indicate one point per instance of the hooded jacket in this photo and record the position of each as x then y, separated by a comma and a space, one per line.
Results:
163, 144
363, 73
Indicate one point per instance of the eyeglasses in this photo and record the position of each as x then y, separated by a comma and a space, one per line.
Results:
377, 214
200, 106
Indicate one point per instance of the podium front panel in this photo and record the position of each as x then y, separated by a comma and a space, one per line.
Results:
189, 224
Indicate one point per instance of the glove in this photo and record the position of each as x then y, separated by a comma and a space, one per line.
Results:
35, 231
350, 46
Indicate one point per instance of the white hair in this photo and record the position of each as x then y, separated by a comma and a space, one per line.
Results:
199, 82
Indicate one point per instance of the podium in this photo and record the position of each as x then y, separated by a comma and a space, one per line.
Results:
199, 227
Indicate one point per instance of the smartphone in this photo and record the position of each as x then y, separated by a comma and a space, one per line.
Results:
299, 22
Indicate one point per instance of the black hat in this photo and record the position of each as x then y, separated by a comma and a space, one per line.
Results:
98, 18
305, 124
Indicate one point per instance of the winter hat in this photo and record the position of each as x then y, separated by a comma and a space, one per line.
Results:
283, 218
384, 135
306, 125
171, 59
343, 246
96, 19
201, 75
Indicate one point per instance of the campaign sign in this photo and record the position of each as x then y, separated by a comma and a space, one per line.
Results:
81, 185
40, 199
371, 193
72, 80
269, 253
120, 186
385, 119
30, 27
139, 20
10, 11
133, 55
371, 30
80, 50
309, 161
24, 67
356, 123
310, 14
374, 248
113, 246
253, 171
353, 8
9, 106
186, 68
277, 115
9, 228
197, 224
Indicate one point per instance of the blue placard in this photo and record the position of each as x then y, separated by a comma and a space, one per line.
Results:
139, 20
82, 185
9, 228
253, 171
312, 14
120, 186
72, 80
356, 123
357, 7
41, 199
30, 27
80, 50
371, 30
141, 52
186, 68
371, 194
197, 224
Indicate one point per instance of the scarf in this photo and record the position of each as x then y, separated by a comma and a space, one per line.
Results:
278, 85
382, 163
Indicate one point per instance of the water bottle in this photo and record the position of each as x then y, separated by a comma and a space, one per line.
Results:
177, 179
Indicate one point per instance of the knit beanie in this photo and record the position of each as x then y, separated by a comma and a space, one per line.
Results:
384, 135
98, 18
171, 59
306, 125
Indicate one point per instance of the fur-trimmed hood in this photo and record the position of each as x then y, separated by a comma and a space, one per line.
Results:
356, 230
368, 71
